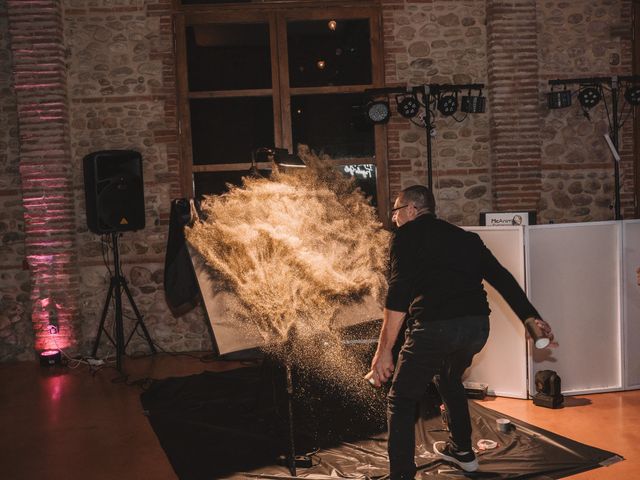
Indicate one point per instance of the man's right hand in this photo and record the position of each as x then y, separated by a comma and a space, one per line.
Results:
382, 367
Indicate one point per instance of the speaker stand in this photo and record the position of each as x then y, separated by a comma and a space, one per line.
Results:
117, 284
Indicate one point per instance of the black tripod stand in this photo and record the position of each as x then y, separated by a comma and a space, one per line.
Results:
119, 283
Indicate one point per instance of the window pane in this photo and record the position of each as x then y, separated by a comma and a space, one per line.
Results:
226, 130
334, 124
214, 183
329, 52
365, 177
228, 57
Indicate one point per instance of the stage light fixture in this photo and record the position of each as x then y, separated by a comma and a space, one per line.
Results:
285, 159
559, 99
408, 105
548, 389
589, 96
473, 104
632, 94
378, 111
50, 358
448, 104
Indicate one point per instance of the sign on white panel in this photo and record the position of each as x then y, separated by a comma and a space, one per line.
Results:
574, 282
502, 364
631, 301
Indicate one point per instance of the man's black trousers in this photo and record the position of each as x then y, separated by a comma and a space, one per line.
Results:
438, 350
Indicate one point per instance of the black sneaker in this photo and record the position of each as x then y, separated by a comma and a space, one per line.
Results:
467, 461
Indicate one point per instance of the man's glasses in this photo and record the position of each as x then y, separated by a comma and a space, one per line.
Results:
393, 210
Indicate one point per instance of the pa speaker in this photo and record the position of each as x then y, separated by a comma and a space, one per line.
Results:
114, 191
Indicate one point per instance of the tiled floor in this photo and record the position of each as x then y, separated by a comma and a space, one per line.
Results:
77, 425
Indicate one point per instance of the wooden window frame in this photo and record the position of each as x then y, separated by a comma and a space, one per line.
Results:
276, 16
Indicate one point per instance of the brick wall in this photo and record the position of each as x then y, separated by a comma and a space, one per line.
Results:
515, 115
39, 82
16, 337
78, 76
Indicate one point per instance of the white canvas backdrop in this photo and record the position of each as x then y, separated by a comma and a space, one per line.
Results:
232, 333
574, 282
631, 302
502, 364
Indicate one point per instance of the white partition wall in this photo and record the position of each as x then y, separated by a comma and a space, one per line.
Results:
631, 302
574, 282
502, 364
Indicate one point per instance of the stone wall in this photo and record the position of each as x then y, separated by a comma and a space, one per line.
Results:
519, 155
579, 40
440, 42
16, 333
122, 94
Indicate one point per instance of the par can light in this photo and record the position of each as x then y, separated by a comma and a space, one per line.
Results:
49, 358
448, 104
408, 105
632, 94
589, 97
378, 111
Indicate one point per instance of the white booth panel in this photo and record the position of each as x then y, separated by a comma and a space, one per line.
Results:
631, 301
502, 364
574, 282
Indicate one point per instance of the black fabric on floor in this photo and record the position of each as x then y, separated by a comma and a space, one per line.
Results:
233, 425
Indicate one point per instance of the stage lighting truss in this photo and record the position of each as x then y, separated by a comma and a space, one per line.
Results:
448, 103
589, 96
472, 103
559, 99
632, 94
378, 111
408, 105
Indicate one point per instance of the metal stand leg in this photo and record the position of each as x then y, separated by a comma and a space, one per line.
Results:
292, 446
117, 284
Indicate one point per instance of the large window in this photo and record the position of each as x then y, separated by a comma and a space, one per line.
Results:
277, 76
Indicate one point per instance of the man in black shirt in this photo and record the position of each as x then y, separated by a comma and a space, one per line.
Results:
435, 281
